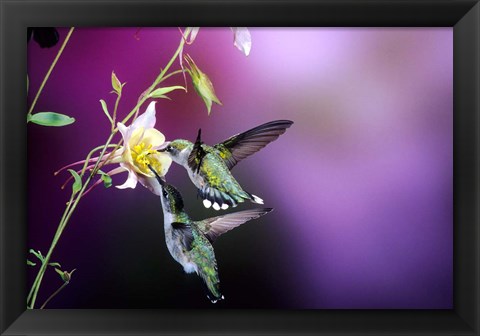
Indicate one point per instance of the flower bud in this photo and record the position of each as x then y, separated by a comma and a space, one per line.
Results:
202, 84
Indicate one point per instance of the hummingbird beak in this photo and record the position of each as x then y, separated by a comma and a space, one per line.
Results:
159, 179
164, 147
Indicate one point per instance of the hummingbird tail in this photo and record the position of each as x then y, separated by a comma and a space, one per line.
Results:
214, 294
255, 199
211, 285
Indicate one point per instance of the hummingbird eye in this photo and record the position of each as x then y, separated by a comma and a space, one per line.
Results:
165, 194
169, 149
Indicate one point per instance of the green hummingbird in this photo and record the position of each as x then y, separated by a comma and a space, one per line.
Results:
209, 166
190, 242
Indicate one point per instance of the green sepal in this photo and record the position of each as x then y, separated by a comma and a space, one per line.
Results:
116, 84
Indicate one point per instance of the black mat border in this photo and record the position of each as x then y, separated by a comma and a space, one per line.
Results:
16, 15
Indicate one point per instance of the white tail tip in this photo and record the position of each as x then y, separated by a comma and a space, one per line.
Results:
257, 199
224, 206
207, 204
216, 206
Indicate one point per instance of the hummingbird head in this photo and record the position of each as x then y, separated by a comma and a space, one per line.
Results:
176, 149
172, 200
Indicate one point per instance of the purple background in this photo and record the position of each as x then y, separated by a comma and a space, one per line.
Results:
361, 184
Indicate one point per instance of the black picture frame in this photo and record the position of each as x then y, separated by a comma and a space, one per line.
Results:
16, 16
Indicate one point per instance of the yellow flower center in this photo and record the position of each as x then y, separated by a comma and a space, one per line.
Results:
144, 156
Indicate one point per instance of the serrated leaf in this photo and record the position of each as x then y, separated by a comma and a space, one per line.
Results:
116, 85
51, 119
158, 93
77, 185
54, 264
29, 263
105, 110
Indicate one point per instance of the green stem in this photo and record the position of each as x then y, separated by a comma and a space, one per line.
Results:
115, 110
60, 51
157, 80
172, 74
63, 223
54, 294
44, 265
72, 206
90, 155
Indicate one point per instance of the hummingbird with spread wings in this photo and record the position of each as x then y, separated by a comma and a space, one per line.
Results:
209, 166
190, 242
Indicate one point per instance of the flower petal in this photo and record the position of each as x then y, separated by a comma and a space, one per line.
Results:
193, 34
131, 181
125, 131
165, 161
147, 119
242, 39
151, 184
153, 137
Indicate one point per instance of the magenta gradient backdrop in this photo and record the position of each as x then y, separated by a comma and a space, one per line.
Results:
361, 184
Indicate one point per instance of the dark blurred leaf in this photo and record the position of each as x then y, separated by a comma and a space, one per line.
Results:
45, 37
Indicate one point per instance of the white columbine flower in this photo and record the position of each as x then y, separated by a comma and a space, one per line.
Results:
138, 153
141, 141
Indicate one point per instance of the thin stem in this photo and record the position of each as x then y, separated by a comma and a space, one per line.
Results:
172, 74
38, 278
114, 119
63, 222
54, 294
60, 51
71, 206
157, 80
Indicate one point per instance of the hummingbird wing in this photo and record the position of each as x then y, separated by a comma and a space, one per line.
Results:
216, 226
242, 145
184, 231
197, 154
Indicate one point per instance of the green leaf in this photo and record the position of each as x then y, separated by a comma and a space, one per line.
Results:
105, 110
29, 263
54, 264
51, 119
164, 97
62, 274
116, 85
77, 185
37, 254
161, 92
107, 180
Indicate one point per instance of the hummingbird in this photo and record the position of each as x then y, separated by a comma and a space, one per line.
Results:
209, 166
190, 242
